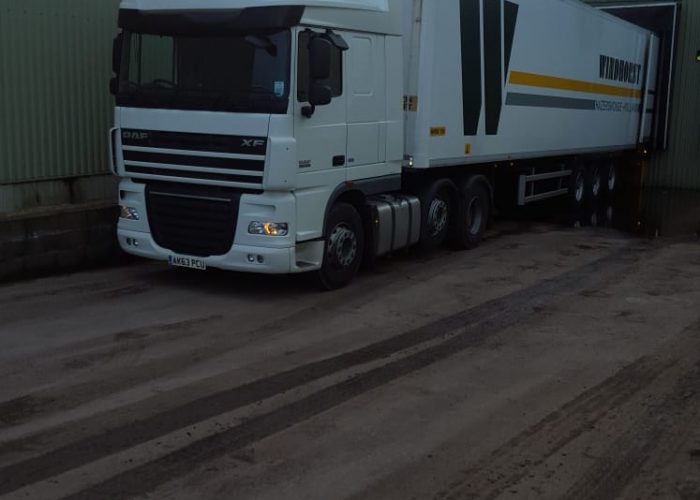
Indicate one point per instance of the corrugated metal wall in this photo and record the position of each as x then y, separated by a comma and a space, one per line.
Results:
55, 66
679, 167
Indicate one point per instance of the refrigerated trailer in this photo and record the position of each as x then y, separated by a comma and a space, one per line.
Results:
275, 136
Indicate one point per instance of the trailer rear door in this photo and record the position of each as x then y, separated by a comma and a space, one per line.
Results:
651, 93
662, 19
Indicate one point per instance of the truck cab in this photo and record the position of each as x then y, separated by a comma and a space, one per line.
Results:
240, 124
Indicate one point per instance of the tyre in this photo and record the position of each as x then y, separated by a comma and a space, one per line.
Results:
610, 178
345, 245
436, 212
594, 182
472, 216
577, 186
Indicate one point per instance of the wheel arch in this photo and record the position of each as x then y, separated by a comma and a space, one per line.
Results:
344, 194
356, 193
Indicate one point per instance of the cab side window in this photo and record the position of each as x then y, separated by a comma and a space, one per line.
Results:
335, 82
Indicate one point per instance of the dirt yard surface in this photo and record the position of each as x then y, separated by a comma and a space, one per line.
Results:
548, 363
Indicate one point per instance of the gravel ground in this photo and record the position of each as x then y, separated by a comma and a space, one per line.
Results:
548, 363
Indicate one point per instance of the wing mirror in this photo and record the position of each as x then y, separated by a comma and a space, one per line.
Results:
320, 58
320, 94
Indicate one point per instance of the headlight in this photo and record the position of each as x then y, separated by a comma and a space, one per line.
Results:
269, 228
129, 213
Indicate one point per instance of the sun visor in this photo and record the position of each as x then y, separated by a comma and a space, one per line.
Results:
220, 5
378, 5
209, 22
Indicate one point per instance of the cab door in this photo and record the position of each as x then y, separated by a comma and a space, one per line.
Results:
321, 141
366, 105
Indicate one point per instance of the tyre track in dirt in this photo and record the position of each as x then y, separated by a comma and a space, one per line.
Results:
88, 354
626, 456
92, 357
128, 342
476, 326
509, 465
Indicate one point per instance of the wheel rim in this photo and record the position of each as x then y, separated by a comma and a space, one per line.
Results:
612, 178
437, 216
580, 186
475, 215
342, 246
597, 183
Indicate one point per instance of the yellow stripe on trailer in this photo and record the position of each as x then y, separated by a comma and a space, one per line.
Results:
553, 82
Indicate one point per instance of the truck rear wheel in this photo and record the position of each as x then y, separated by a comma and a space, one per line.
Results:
345, 245
472, 216
436, 212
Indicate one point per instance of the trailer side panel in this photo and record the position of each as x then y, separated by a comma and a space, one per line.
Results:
520, 79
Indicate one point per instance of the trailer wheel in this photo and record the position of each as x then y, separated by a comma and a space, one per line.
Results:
436, 212
594, 182
577, 186
344, 247
472, 216
610, 178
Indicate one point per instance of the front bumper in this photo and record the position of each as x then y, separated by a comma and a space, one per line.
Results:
274, 260
249, 253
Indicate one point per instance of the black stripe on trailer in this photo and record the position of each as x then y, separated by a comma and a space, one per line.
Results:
493, 70
470, 20
546, 101
510, 20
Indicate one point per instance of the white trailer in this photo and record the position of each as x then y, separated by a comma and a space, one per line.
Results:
275, 136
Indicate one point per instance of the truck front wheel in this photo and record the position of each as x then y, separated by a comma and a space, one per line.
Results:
344, 247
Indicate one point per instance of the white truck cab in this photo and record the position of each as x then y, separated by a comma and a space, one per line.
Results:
226, 160
278, 136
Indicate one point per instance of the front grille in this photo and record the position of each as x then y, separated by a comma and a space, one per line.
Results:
194, 142
234, 160
184, 174
192, 220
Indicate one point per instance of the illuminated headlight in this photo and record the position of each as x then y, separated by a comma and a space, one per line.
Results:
269, 228
129, 213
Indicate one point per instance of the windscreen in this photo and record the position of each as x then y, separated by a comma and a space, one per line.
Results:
245, 72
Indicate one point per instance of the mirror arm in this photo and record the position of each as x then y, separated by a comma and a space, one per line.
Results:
308, 111
337, 40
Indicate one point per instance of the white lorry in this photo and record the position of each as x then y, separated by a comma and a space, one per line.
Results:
281, 136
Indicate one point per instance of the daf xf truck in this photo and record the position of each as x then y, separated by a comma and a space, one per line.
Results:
282, 136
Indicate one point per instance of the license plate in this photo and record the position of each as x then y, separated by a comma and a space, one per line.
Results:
187, 262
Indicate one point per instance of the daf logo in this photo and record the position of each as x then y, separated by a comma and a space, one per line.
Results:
253, 143
135, 136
